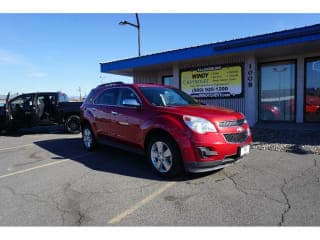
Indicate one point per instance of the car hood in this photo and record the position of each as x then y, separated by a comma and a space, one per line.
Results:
212, 113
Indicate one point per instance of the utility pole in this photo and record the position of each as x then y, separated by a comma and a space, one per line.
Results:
79, 89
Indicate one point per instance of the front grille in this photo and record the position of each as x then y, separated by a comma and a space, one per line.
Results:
236, 137
233, 123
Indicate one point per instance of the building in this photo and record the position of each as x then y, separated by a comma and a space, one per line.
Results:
269, 77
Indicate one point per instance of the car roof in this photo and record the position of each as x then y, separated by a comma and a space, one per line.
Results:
121, 84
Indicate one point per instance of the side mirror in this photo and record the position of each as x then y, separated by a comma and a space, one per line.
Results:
131, 102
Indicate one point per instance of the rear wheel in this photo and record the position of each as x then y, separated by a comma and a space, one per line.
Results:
88, 139
72, 124
164, 156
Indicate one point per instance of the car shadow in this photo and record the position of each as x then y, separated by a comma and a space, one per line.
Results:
54, 129
107, 159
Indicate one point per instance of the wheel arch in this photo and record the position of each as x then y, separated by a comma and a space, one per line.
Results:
157, 132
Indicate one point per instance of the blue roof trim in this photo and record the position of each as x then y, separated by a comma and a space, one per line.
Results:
287, 37
166, 57
293, 33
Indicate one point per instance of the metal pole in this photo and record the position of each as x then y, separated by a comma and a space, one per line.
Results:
138, 27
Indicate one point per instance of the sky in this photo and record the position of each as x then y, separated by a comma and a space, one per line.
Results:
62, 52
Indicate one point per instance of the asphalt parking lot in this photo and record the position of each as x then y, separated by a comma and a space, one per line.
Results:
48, 179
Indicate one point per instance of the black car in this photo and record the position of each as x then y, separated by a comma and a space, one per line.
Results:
42, 108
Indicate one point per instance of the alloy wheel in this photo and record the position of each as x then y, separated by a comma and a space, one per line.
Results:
161, 156
87, 138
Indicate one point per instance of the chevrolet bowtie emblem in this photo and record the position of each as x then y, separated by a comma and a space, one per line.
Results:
240, 129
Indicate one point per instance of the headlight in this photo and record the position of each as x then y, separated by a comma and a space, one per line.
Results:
199, 125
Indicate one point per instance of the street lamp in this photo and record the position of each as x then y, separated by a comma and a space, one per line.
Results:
137, 26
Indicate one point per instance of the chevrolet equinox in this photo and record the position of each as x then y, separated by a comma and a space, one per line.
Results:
172, 129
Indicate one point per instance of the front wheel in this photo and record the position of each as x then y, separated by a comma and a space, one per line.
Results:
72, 124
88, 138
164, 156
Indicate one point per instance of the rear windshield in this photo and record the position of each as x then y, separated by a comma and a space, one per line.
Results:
161, 96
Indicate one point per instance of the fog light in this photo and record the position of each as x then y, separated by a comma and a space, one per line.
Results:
206, 152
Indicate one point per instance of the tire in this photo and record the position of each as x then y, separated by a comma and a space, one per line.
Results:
164, 156
72, 124
88, 138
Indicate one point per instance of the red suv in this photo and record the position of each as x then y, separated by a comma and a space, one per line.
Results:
171, 128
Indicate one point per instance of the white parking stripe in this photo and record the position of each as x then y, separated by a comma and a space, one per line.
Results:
41, 166
138, 205
21, 146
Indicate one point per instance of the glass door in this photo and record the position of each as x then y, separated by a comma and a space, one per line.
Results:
312, 90
277, 92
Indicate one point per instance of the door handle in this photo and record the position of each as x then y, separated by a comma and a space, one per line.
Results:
114, 113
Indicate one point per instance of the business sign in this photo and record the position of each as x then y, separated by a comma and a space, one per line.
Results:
213, 82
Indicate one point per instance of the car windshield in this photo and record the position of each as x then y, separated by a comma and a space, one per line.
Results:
162, 96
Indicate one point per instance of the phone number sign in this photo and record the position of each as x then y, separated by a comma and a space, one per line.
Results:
213, 82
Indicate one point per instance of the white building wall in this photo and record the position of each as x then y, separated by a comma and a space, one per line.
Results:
146, 77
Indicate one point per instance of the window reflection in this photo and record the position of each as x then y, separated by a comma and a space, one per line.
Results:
277, 92
312, 99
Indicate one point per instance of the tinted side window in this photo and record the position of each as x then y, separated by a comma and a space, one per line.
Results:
126, 93
89, 98
108, 97
22, 103
63, 97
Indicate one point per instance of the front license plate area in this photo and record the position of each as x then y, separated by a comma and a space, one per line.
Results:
244, 150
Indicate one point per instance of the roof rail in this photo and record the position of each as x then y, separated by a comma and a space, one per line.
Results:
110, 84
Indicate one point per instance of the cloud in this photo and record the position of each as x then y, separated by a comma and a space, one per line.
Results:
20, 61
7, 57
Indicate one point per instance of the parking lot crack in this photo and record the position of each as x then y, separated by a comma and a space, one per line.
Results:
246, 190
62, 212
10, 189
81, 218
27, 196
288, 205
230, 177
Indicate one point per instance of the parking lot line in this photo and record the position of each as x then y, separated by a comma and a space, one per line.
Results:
138, 205
41, 166
11, 148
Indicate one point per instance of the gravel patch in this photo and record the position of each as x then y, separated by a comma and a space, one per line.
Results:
295, 139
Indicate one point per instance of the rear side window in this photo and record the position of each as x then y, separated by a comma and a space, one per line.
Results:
63, 97
89, 98
107, 97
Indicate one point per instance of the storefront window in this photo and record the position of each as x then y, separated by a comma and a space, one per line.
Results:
168, 80
277, 92
312, 91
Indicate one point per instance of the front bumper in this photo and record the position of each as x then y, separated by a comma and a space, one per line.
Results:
198, 167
